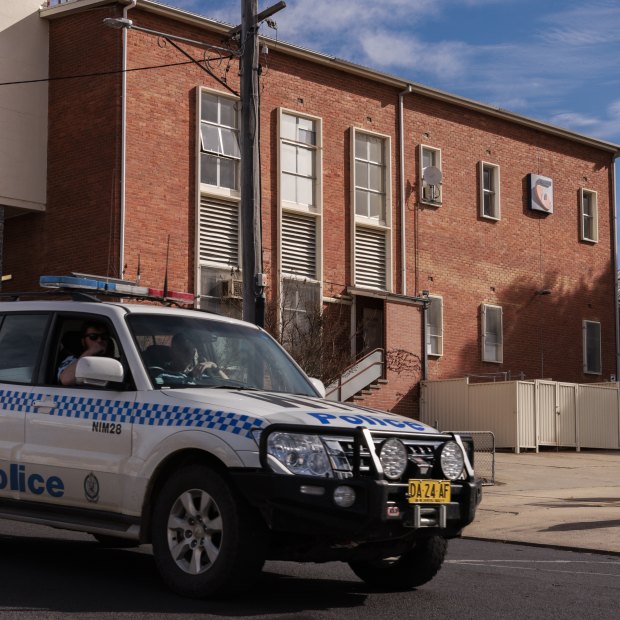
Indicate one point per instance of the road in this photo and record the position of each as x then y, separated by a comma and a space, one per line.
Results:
49, 574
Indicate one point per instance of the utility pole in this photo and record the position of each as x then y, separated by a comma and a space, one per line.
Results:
253, 285
251, 234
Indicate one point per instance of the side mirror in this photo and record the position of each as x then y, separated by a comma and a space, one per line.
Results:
318, 386
99, 371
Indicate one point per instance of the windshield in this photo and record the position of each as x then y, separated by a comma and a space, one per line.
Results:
182, 351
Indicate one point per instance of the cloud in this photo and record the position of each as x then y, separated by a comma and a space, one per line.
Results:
385, 49
600, 127
586, 24
563, 67
328, 24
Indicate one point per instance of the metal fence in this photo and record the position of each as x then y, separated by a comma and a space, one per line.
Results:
484, 455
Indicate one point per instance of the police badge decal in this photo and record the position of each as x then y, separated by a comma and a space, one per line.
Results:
91, 488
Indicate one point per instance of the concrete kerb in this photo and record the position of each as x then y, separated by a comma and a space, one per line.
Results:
560, 499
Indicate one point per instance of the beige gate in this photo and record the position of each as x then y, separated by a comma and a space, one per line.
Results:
556, 413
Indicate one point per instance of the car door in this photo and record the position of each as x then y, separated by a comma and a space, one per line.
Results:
81, 436
21, 340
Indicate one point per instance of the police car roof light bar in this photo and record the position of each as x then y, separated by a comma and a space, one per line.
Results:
113, 287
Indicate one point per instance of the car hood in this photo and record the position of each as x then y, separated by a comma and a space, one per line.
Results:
265, 408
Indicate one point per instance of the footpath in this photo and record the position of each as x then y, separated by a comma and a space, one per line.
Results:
563, 499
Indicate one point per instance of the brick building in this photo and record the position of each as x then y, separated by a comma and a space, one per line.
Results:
375, 193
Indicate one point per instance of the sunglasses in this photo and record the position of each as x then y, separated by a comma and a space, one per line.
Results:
97, 336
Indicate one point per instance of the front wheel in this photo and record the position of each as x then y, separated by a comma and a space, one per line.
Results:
410, 570
206, 540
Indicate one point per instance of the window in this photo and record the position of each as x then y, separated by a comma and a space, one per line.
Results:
592, 348
21, 336
434, 327
298, 159
492, 334
218, 236
430, 175
489, 191
300, 315
589, 216
246, 356
370, 196
300, 225
219, 141
372, 206
300, 196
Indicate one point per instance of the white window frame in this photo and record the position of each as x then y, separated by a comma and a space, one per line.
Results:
363, 184
493, 191
218, 194
499, 358
314, 211
592, 197
434, 329
315, 149
357, 221
586, 368
424, 198
207, 188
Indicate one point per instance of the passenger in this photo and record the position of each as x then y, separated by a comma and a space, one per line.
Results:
95, 341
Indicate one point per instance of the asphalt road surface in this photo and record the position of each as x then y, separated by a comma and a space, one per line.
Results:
55, 574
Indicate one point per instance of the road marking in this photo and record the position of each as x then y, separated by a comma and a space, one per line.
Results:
536, 561
505, 564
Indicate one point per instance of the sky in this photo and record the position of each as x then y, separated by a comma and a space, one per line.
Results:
557, 61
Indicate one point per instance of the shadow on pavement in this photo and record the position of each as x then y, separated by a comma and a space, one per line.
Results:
584, 525
82, 576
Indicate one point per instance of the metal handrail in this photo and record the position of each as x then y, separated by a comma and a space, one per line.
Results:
340, 383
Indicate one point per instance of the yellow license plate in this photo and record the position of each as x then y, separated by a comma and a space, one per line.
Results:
429, 492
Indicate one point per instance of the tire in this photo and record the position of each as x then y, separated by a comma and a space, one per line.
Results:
116, 542
206, 540
410, 570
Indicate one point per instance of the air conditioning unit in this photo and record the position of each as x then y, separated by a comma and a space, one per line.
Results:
232, 288
431, 193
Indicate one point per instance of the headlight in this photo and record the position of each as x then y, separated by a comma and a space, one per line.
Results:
451, 460
393, 457
303, 455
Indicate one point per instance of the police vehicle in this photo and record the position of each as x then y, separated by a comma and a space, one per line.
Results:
221, 466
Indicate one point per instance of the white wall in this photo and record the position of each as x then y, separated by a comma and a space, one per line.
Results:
23, 108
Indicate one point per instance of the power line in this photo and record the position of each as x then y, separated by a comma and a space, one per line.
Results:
116, 71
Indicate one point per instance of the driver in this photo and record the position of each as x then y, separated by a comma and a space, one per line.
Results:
184, 358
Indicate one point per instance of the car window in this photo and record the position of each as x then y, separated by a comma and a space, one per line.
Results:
21, 337
179, 351
70, 345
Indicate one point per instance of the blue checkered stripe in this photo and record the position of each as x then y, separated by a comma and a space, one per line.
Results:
19, 402
144, 414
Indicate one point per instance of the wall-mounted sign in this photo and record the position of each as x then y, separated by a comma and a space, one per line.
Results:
541, 193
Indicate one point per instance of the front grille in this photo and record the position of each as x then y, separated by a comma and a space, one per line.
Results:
421, 456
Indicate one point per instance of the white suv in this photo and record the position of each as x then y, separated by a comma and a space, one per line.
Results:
219, 469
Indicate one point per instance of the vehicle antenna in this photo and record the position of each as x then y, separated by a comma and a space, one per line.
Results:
166, 272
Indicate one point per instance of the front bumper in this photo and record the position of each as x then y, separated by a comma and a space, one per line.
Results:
304, 504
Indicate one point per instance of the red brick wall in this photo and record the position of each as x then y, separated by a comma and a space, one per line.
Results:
451, 251
79, 229
469, 260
